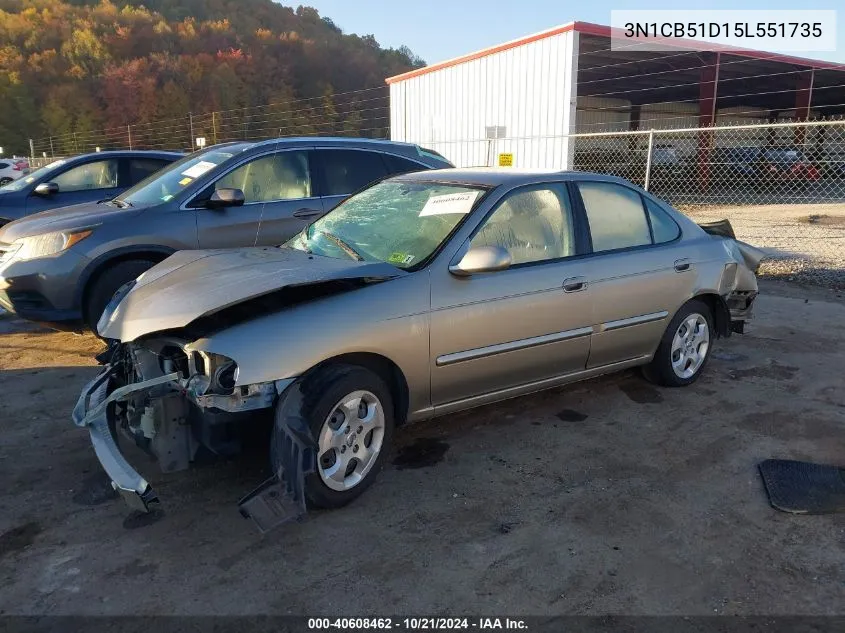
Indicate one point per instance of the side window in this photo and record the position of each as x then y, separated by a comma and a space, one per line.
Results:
101, 174
4, 165
348, 170
140, 168
399, 165
532, 225
281, 176
663, 227
615, 214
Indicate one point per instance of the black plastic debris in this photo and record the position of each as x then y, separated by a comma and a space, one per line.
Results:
281, 498
802, 487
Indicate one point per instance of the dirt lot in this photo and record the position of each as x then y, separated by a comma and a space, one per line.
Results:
803, 241
606, 497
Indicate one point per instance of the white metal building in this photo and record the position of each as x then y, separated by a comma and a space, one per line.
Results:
526, 96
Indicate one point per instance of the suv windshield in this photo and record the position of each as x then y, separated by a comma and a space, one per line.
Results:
402, 223
23, 183
166, 184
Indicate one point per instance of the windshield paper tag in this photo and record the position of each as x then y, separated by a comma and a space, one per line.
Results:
400, 258
450, 203
199, 169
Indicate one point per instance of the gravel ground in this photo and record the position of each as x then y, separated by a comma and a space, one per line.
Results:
804, 242
607, 497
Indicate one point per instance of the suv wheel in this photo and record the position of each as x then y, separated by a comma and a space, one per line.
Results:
107, 283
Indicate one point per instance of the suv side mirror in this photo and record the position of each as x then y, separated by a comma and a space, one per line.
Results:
46, 189
223, 198
482, 259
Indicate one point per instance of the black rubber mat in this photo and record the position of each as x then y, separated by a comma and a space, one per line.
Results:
802, 487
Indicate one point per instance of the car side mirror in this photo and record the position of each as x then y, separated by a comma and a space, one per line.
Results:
46, 189
482, 259
223, 198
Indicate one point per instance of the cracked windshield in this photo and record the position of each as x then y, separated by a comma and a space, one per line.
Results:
402, 223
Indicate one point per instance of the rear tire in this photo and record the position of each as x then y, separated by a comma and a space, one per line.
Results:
685, 347
364, 446
106, 284
5, 181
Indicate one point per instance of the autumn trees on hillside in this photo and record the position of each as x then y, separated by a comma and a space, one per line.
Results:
72, 67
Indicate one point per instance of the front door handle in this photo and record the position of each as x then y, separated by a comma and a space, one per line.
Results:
575, 284
681, 265
306, 213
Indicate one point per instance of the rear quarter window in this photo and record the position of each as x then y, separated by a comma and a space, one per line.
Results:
663, 227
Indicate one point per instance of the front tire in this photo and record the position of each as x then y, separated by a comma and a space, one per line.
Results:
5, 181
685, 347
349, 410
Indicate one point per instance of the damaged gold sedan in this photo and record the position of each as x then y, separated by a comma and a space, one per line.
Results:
420, 296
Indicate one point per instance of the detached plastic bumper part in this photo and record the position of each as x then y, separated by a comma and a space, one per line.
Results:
91, 411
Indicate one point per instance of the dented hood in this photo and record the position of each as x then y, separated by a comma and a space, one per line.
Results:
192, 284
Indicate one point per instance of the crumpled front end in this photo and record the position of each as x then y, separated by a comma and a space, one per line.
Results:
170, 400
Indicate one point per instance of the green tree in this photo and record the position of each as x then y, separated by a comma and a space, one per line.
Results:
85, 69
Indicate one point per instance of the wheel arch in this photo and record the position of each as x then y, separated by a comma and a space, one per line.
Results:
718, 309
383, 367
93, 271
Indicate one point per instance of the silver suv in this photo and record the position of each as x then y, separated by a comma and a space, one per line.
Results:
62, 266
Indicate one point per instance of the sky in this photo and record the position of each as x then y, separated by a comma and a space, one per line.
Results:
438, 30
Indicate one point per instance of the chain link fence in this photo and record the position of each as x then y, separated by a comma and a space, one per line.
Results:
362, 113
781, 185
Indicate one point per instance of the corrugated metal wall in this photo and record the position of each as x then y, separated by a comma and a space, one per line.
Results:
524, 90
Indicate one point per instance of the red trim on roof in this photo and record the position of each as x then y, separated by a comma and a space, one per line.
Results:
483, 53
601, 30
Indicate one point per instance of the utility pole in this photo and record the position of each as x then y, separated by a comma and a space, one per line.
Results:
214, 127
129, 135
52, 153
31, 150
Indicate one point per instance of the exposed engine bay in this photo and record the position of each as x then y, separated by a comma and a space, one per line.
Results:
171, 420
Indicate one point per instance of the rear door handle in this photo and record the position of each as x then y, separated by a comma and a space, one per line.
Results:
681, 265
306, 213
575, 284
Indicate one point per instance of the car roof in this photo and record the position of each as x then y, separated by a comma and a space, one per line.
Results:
129, 153
495, 176
408, 149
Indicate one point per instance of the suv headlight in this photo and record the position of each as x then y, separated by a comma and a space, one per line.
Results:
49, 243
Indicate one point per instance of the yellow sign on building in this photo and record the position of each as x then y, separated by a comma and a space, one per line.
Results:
505, 160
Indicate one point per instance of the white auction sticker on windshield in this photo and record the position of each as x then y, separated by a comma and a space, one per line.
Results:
450, 203
199, 169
